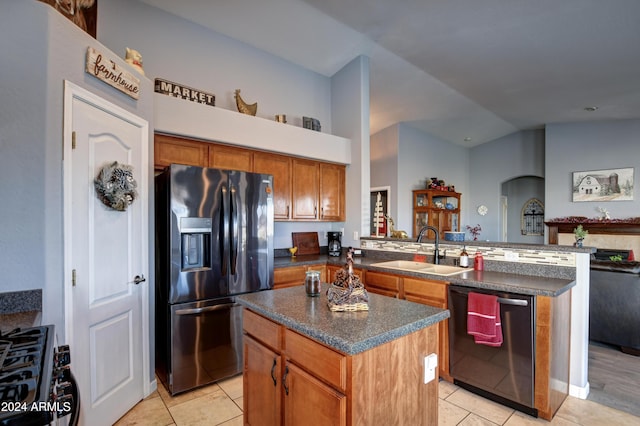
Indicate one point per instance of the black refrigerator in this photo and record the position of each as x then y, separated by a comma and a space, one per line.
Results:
214, 240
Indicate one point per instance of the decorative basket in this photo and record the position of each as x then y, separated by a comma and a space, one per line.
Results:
347, 300
347, 293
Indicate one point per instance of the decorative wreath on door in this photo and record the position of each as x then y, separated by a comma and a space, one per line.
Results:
115, 186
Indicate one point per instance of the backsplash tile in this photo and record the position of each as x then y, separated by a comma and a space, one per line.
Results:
491, 253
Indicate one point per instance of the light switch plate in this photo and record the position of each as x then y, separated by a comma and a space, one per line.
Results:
430, 365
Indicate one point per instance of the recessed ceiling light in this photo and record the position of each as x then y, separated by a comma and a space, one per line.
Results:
590, 108
467, 139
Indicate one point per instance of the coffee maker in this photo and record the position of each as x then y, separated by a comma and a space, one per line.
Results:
334, 246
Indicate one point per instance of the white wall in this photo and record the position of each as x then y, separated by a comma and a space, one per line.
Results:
384, 165
350, 108
491, 164
177, 50
403, 157
573, 147
41, 49
518, 192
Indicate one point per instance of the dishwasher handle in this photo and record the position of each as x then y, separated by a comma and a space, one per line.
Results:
515, 302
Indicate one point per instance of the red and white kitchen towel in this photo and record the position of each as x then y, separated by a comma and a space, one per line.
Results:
483, 319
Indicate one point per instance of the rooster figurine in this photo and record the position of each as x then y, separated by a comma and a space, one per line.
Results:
243, 107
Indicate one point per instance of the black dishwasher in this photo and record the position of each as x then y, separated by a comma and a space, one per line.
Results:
504, 374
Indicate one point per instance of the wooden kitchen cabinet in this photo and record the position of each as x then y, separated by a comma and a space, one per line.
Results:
294, 275
306, 188
430, 208
321, 386
432, 293
230, 158
262, 372
303, 190
383, 283
280, 167
333, 269
172, 149
332, 192
290, 379
318, 191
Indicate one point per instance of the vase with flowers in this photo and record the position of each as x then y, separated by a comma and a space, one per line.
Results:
474, 231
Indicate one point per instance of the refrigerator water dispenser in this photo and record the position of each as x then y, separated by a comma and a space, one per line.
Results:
196, 240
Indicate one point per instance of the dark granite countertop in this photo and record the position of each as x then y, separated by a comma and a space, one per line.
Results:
490, 280
348, 332
20, 309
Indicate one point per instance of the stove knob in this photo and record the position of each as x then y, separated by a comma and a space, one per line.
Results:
65, 403
63, 389
63, 356
62, 374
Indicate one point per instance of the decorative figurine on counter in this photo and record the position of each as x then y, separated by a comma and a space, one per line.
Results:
244, 107
293, 251
392, 232
347, 293
134, 58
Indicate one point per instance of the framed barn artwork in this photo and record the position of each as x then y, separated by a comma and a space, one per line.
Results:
83, 13
603, 185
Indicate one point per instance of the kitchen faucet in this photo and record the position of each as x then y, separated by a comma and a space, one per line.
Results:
436, 251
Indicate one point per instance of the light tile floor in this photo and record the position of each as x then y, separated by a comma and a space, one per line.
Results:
221, 404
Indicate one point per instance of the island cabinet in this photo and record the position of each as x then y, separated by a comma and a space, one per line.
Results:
291, 379
432, 293
294, 275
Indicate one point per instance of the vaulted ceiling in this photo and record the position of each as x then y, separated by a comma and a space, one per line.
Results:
465, 71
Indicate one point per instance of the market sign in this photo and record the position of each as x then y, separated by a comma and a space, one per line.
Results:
176, 90
107, 70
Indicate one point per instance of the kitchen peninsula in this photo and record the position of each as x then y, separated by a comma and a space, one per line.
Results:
551, 274
309, 365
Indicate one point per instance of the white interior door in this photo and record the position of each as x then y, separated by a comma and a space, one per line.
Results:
106, 313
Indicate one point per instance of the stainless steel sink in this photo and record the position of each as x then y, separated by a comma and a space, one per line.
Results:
421, 267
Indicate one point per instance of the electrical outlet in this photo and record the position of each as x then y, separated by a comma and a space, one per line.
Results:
355, 235
511, 256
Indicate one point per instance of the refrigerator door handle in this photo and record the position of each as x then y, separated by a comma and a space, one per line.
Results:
224, 247
205, 309
234, 231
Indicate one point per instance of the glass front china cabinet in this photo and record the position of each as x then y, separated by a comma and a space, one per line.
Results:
436, 208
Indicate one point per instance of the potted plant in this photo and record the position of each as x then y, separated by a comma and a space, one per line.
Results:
579, 234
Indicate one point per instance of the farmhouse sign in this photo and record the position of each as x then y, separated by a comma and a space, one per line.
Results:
176, 90
108, 71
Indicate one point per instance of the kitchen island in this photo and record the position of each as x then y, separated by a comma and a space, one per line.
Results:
308, 365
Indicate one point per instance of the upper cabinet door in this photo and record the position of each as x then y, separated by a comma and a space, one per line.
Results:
169, 150
332, 192
306, 187
280, 167
230, 158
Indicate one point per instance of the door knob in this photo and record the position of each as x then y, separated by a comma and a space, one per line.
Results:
139, 279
